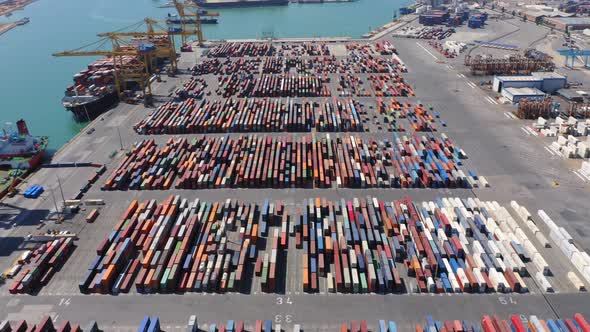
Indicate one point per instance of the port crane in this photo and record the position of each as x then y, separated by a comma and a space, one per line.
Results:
190, 15
131, 62
162, 38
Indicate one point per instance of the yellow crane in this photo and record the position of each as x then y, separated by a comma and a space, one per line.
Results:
162, 38
130, 62
190, 15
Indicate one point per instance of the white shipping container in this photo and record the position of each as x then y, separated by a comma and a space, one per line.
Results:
480, 280
541, 264
548, 221
543, 282
576, 281
566, 235
542, 239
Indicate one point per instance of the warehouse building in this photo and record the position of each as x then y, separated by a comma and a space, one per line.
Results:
517, 94
548, 82
502, 82
571, 23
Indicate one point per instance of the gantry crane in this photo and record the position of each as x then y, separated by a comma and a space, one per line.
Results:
162, 38
131, 62
190, 15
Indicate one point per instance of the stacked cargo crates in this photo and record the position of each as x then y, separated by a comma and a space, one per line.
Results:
252, 115
389, 85
38, 267
225, 50
180, 246
286, 162
46, 325
517, 323
195, 88
447, 246
267, 85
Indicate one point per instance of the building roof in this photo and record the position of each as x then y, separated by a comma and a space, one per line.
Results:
520, 78
524, 92
572, 20
549, 75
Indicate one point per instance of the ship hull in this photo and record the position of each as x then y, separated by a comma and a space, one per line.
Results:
238, 3
93, 109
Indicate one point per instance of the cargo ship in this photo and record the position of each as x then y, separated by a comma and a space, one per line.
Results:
93, 90
239, 3
20, 153
174, 19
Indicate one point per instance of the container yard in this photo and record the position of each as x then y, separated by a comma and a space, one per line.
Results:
309, 184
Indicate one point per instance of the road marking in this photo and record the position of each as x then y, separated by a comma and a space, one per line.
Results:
491, 100
471, 85
530, 130
556, 151
549, 150
526, 132
510, 115
432, 55
580, 176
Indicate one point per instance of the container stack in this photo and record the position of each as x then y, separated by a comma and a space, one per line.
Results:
233, 50
287, 162
532, 110
195, 88
267, 85
517, 323
351, 85
445, 246
46, 324
389, 85
180, 246
252, 115
38, 267
565, 242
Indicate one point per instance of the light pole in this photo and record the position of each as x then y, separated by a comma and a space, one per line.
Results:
55, 203
120, 138
62, 191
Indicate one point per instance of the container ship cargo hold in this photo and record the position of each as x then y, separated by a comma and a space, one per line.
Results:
93, 91
239, 3
20, 153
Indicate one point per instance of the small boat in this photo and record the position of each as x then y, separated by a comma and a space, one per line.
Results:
23, 21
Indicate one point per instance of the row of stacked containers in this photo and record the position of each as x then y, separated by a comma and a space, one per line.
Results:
450, 245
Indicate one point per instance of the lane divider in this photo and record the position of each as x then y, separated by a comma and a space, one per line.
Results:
427, 51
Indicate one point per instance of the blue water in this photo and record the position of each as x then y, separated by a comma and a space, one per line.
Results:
33, 81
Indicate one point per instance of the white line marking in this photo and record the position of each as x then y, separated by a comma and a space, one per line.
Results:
556, 151
531, 131
580, 176
432, 55
549, 150
491, 100
458, 75
510, 115
526, 132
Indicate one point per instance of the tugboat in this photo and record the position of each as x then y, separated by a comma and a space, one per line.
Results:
20, 153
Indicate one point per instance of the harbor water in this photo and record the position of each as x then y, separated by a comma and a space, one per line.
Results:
33, 81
